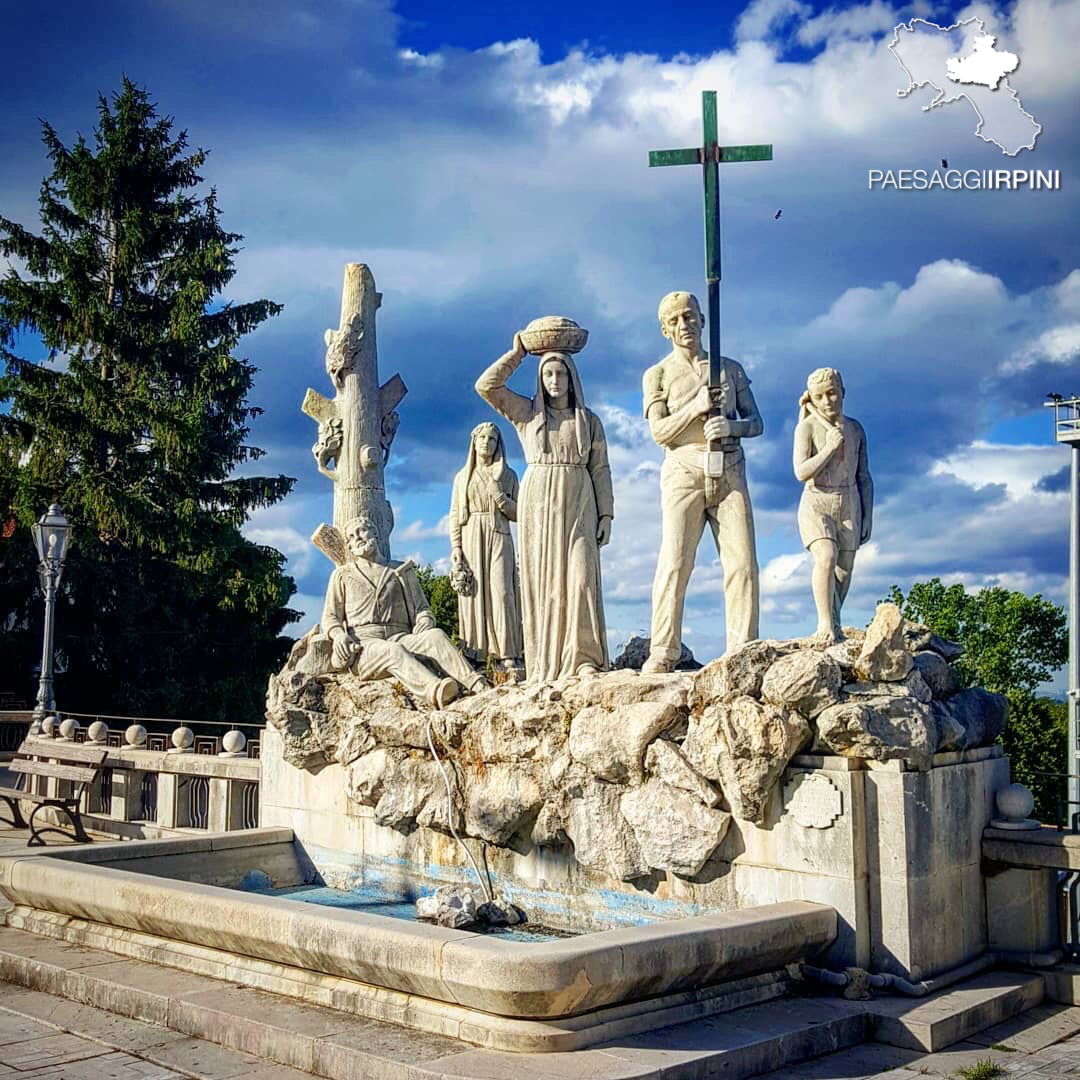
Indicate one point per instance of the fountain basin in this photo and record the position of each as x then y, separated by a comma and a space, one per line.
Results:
138, 899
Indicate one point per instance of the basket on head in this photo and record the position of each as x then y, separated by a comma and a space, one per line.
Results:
553, 333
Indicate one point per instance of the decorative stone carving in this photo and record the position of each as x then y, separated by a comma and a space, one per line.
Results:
565, 509
684, 417
885, 656
745, 745
483, 504
675, 833
357, 425
813, 800
837, 505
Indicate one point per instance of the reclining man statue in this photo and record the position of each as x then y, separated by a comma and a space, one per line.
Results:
381, 627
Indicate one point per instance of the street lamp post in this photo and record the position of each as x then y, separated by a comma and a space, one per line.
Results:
51, 538
1067, 430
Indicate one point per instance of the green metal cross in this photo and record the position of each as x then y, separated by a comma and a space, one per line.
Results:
709, 156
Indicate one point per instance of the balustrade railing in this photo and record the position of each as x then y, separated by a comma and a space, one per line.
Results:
154, 781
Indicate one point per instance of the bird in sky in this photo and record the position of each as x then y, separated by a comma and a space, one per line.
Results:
776, 216
944, 163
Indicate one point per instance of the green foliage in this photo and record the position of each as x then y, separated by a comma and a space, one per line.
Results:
986, 1069
1012, 643
441, 598
136, 422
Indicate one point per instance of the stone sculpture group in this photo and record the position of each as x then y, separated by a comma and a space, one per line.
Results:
640, 772
546, 611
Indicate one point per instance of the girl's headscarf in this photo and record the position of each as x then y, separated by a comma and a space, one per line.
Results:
499, 474
577, 396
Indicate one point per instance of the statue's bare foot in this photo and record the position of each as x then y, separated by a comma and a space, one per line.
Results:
586, 669
656, 665
827, 635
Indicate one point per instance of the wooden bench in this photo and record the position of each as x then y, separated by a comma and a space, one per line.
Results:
78, 764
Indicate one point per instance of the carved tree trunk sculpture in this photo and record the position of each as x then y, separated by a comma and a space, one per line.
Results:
357, 425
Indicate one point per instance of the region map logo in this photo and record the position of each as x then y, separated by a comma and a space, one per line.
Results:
929, 54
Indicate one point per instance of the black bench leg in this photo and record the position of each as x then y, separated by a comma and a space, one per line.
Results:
17, 820
76, 826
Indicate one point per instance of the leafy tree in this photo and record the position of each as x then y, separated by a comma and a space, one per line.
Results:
136, 421
441, 598
1012, 643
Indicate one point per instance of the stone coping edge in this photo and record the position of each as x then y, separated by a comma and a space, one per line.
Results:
390, 1006
561, 978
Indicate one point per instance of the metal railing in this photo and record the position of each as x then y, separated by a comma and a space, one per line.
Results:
155, 782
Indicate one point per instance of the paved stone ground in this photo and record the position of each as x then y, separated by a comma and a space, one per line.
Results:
43, 1037
49, 1038
1041, 1044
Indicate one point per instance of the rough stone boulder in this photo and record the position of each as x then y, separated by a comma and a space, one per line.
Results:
919, 638
603, 839
415, 794
912, 685
745, 745
675, 832
735, 674
611, 743
884, 656
511, 723
501, 802
880, 728
936, 673
971, 718
808, 681
665, 760
636, 651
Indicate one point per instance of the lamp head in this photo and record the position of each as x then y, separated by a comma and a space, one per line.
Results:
52, 535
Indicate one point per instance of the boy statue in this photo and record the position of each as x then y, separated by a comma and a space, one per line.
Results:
381, 627
684, 418
837, 505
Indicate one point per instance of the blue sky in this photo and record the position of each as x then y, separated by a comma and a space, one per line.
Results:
488, 161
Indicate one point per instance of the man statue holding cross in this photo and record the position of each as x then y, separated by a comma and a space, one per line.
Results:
686, 417
699, 406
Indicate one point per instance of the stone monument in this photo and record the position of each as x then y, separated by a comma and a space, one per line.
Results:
837, 505
484, 572
565, 507
357, 425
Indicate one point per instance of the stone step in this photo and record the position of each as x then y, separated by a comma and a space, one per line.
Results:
958, 1012
340, 1046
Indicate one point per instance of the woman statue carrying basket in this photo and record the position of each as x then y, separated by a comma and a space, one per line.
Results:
565, 506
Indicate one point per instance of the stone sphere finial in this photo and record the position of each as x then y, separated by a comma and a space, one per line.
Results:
183, 738
97, 732
233, 743
1014, 804
68, 727
135, 735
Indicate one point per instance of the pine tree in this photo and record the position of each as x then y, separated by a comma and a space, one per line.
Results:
136, 421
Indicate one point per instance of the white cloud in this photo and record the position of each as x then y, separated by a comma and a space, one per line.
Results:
760, 18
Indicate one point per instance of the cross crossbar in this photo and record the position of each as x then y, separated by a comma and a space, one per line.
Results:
709, 156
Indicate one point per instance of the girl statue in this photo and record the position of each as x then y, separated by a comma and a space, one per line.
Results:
564, 514
483, 504
837, 504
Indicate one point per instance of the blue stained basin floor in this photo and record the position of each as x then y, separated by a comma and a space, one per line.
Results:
373, 903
